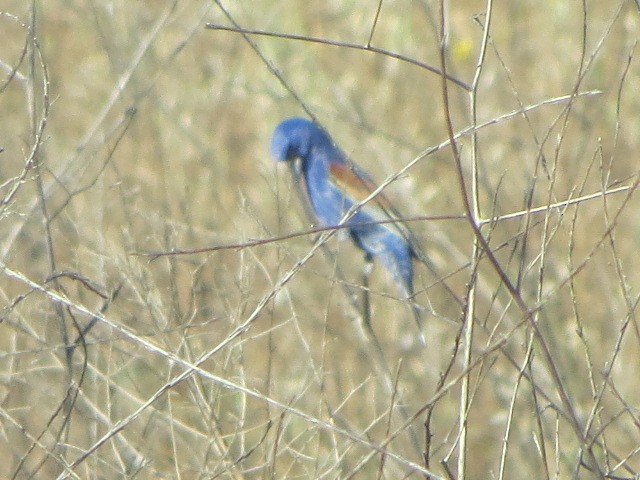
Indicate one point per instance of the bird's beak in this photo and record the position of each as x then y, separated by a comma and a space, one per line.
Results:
299, 183
300, 186
295, 166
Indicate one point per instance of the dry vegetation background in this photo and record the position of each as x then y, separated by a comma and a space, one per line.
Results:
127, 128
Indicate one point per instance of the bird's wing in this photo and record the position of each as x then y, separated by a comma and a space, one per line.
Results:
356, 185
359, 188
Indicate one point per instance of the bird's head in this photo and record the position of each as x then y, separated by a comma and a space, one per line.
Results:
294, 138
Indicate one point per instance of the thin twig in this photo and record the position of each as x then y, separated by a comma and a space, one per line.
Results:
335, 43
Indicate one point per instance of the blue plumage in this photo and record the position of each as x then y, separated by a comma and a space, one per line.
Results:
333, 186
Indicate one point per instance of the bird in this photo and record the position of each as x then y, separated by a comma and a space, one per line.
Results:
333, 185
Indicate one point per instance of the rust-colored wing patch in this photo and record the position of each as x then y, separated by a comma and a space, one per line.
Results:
355, 186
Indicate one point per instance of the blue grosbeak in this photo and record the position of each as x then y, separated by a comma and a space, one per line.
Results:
333, 186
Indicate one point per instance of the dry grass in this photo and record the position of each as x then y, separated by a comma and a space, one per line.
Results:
128, 127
